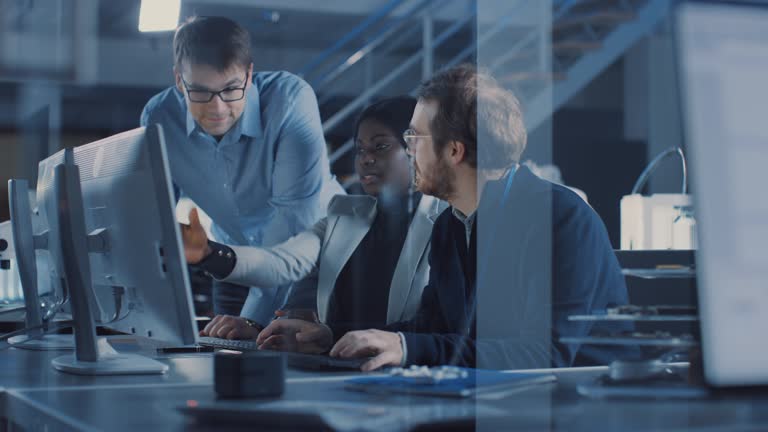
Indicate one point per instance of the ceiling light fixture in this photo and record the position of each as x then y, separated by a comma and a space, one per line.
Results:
159, 15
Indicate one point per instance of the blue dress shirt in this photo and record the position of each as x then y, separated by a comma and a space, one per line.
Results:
268, 177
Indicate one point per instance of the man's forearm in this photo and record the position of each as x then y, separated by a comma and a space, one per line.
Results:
433, 349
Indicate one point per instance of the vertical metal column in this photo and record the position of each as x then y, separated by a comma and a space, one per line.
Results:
39, 119
545, 35
427, 62
85, 41
368, 74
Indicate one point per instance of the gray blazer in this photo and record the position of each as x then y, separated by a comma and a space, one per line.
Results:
322, 251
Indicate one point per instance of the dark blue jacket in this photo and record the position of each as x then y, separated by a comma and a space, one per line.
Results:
535, 258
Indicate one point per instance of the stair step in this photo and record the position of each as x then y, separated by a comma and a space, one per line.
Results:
575, 46
588, 6
559, 48
603, 18
528, 77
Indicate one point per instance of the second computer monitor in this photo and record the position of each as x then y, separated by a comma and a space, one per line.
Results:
136, 257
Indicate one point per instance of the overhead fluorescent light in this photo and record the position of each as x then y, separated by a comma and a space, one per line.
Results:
159, 15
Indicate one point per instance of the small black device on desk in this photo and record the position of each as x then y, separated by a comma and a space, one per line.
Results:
316, 362
249, 375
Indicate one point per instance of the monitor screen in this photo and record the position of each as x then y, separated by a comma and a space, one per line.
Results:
723, 55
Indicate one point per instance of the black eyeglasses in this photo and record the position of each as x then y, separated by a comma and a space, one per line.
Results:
229, 94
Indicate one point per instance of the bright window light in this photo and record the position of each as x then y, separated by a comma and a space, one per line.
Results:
159, 15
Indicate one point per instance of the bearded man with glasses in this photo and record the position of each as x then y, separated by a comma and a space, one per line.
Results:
247, 148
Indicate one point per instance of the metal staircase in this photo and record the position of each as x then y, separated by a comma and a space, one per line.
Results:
586, 40
548, 63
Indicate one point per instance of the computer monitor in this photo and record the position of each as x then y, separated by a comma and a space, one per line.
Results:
38, 259
123, 253
723, 59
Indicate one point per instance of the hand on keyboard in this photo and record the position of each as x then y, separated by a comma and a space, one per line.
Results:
296, 360
230, 327
296, 335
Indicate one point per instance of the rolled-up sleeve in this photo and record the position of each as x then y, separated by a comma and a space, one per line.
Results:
288, 262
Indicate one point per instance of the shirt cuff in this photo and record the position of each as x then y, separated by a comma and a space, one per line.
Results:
404, 348
220, 263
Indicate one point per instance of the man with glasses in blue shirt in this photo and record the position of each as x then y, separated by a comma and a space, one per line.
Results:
247, 148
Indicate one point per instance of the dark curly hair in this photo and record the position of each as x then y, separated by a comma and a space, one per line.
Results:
394, 113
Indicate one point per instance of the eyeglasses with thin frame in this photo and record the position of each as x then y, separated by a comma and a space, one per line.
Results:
229, 94
411, 138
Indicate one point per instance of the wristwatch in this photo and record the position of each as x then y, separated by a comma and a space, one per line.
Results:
253, 324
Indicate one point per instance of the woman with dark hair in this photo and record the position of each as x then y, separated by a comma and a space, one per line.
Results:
368, 257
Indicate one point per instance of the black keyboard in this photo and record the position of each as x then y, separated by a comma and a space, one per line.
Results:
320, 362
295, 360
230, 344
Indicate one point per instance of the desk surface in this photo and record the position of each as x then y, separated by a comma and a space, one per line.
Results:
37, 397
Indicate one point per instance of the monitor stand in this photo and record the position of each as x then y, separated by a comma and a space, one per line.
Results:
92, 356
52, 342
108, 362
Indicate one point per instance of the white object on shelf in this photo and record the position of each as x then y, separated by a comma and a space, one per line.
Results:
647, 221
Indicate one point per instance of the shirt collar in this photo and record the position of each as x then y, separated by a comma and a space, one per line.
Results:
466, 220
191, 124
248, 124
250, 121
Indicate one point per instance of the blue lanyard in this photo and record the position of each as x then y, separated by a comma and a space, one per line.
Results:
508, 187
